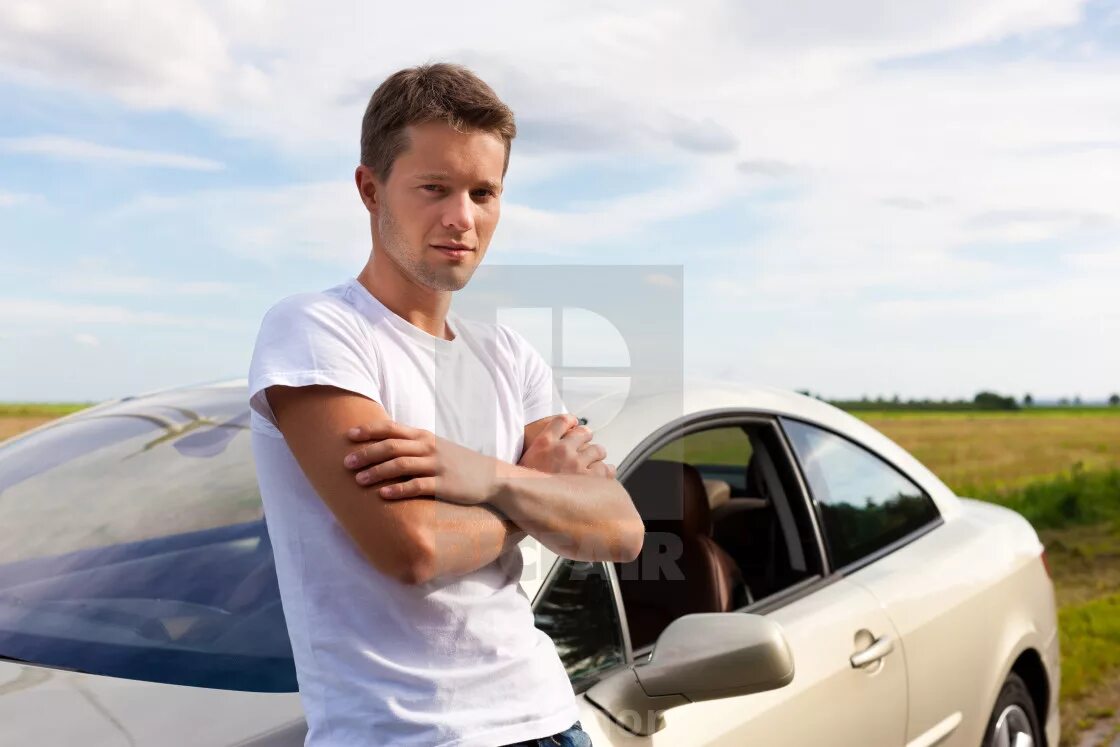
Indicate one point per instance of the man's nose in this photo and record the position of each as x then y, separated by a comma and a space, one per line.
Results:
459, 212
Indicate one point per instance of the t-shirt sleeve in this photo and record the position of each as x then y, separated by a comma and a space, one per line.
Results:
305, 340
540, 395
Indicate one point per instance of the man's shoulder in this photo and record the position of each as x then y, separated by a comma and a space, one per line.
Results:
322, 306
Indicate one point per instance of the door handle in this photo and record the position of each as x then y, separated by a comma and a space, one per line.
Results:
873, 653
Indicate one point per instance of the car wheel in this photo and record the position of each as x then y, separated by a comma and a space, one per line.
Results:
1014, 722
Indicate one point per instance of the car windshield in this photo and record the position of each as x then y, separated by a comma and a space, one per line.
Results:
133, 544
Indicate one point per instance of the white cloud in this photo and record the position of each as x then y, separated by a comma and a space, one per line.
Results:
1105, 262
23, 311
86, 340
1048, 305
863, 27
323, 221
14, 199
531, 230
138, 285
170, 55
79, 150
244, 64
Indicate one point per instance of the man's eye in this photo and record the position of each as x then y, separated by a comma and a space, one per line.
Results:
432, 187
483, 193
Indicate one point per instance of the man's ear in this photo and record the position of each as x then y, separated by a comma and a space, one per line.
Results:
367, 187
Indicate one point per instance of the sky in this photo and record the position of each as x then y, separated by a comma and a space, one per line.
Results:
859, 198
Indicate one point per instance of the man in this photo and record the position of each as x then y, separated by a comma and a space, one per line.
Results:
397, 558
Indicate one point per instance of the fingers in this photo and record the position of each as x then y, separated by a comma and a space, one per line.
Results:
381, 429
560, 425
410, 488
590, 453
380, 451
577, 436
401, 466
602, 469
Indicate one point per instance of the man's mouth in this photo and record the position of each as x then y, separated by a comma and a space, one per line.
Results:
453, 249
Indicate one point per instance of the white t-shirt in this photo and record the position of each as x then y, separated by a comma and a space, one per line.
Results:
456, 661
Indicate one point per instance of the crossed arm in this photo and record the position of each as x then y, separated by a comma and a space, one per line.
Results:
485, 505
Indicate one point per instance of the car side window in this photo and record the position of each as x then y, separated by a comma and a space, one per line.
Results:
865, 503
578, 612
721, 455
714, 545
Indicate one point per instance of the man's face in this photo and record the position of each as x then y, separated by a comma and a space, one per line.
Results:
443, 193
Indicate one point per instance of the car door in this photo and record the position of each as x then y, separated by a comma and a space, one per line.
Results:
826, 620
956, 594
829, 702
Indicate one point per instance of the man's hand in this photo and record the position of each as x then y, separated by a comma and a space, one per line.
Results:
565, 447
425, 464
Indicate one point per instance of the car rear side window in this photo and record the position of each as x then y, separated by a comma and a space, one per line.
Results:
865, 503
133, 544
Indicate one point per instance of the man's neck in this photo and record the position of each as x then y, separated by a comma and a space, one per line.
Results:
421, 307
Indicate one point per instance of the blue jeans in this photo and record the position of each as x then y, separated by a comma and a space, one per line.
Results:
573, 736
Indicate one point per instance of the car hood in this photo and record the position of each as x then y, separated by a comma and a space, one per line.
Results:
55, 707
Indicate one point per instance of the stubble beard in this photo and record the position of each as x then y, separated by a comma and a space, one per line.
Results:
412, 263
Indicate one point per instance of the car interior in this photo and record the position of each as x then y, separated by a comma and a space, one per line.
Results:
726, 527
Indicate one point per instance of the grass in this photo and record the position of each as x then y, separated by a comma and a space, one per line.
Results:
987, 453
1090, 637
1076, 498
1091, 411
1090, 644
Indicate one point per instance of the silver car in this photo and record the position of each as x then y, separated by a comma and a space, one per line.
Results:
804, 581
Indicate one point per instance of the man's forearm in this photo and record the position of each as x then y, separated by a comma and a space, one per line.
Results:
461, 539
581, 517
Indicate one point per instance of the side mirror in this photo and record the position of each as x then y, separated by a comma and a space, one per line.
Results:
697, 657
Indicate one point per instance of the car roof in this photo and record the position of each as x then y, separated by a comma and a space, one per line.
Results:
623, 419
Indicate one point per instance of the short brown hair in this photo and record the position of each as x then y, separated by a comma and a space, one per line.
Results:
438, 92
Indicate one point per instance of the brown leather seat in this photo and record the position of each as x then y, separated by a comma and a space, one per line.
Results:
681, 569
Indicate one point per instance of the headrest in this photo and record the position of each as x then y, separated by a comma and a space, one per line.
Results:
719, 492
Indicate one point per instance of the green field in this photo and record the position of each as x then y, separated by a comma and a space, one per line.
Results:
983, 454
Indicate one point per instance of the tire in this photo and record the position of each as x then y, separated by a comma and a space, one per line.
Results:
1014, 718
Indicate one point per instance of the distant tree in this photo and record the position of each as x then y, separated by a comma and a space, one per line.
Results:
1064, 402
1028, 400
1077, 401
993, 401
1114, 400
896, 400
